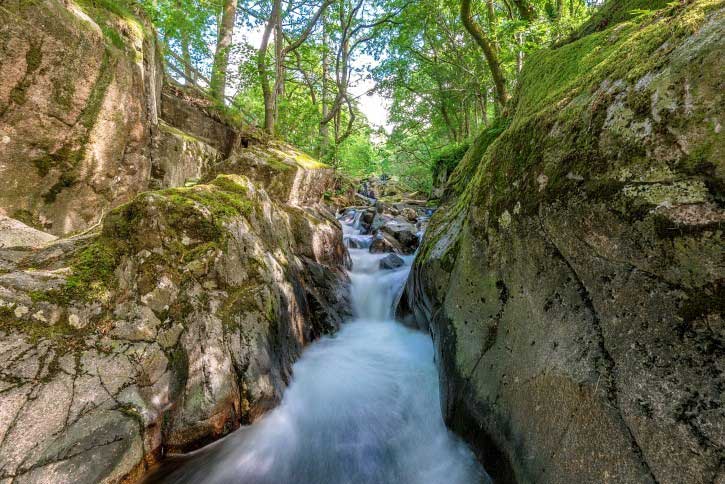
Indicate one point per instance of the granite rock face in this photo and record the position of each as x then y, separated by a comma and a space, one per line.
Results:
173, 326
88, 120
77, 111
573, 281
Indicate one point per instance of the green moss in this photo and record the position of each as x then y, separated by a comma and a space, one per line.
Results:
177, 132
33, 59
93, 271
199, 251
63, 91
224, 198
461, 176
639, 44
306, 161
448, 158
278, 165
61, 333
108, 13
91, 279
618, 11
163, 218
98, 93
27, 217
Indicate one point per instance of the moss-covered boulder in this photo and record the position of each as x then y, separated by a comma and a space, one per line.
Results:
573, 283
286, 173
173, 326
79, 94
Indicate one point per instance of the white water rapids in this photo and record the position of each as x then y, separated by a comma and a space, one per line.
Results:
362, 407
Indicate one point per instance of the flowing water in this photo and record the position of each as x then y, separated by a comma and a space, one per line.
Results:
362, 407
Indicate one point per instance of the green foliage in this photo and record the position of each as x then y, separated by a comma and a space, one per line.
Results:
91, 278
438, 82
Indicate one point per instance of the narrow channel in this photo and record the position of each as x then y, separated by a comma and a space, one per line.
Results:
362, 408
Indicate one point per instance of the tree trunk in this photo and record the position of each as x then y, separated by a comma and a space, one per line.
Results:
520, 52
224, 42
267, 91
489, 52
278, 68
186, 56
324, 129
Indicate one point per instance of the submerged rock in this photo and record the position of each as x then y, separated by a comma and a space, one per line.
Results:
391, 261
410, 214
573, 283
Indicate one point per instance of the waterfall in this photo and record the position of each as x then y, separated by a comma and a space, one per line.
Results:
362, 408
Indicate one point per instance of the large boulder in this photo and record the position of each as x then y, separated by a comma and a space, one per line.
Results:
14, 233
285, 172
383, 243
573, 284
402, 231
175, 325
79, 93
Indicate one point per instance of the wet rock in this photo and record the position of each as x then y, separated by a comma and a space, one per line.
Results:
404, 233
391, 261
409, 214
383, 242
355, 242
366, 220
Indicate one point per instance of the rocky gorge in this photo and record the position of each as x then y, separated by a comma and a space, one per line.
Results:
171, 277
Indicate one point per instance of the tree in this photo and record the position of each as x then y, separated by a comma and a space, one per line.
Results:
489, 50
271, 93
224, 42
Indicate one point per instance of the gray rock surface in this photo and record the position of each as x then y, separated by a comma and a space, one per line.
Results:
175, 325
573, 284
14, 233
391, 261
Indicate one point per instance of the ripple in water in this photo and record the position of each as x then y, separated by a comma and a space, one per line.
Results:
363, 408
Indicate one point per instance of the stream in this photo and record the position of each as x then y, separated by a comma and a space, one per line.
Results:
362, 408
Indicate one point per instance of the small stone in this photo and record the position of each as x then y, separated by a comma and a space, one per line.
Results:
543, 180
21, 311
39, 316
169, 337
391, 261
75, 321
